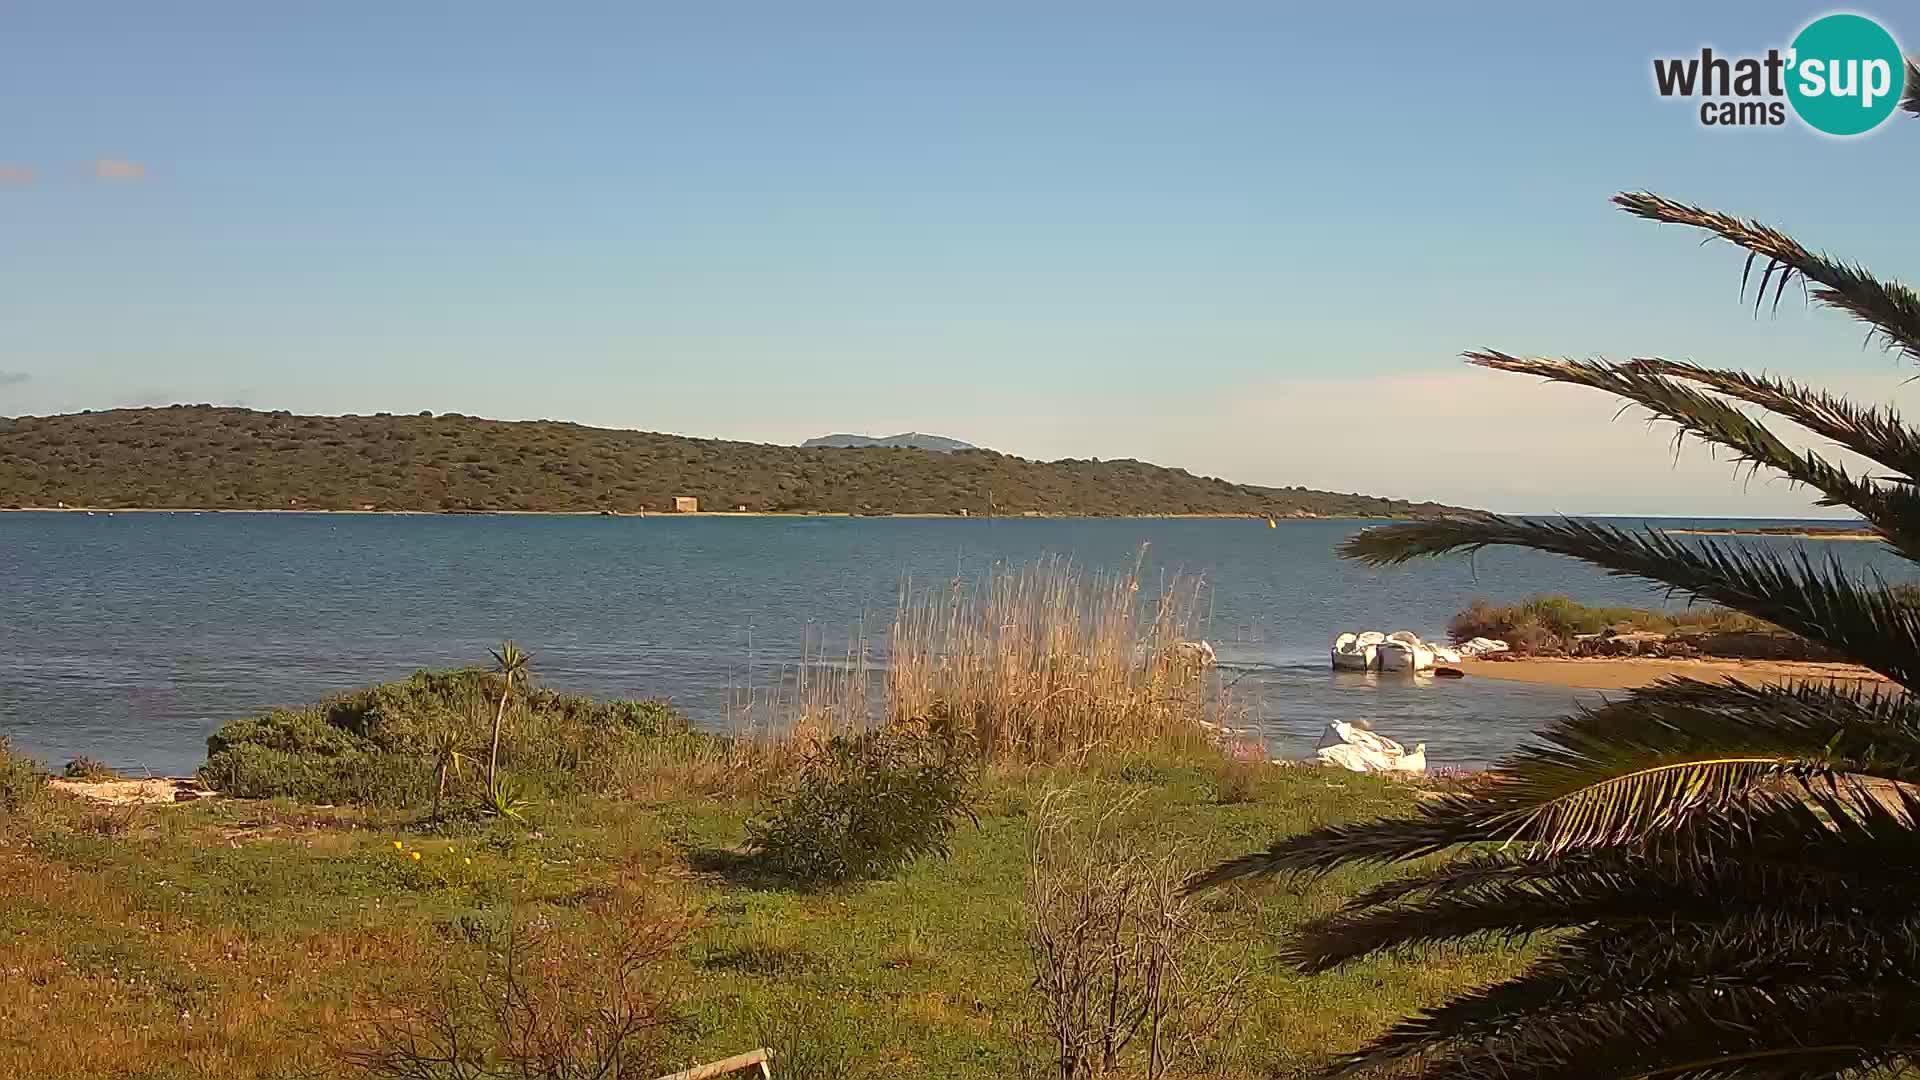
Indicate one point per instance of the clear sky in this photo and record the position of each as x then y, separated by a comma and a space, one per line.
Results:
1249, 239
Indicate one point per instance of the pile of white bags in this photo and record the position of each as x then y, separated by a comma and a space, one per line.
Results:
1357, 748
1401, 650
1482, 647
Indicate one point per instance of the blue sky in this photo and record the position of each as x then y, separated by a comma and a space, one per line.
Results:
1247, 239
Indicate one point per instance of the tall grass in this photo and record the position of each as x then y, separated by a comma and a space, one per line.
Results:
21, 779
1033, 663
1047, 660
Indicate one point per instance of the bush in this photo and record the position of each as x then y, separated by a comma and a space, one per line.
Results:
1127, 974
1553, 624
91, 769
863, 806
251, 771
375, 746
539, 1004
21, 779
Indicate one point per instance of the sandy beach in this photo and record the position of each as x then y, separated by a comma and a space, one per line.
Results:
1627, 673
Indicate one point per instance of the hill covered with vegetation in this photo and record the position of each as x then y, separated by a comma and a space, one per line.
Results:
205, 457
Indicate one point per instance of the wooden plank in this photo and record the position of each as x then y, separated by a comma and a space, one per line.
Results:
760, 1057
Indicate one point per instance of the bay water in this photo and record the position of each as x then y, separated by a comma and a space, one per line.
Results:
131, 636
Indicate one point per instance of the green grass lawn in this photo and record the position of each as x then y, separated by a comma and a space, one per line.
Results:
244, 938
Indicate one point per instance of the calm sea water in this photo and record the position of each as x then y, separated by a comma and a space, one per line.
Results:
130, 637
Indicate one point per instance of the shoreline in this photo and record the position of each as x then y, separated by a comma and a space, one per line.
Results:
1780, 534
1632, 672
917, 515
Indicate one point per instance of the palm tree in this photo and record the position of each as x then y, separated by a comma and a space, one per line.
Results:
1728, 876
513, 666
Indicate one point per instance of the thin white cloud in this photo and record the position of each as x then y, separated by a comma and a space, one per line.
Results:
13, 378
116, 169
12, 175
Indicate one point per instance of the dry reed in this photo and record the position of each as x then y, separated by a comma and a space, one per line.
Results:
1035, 662
1047, 660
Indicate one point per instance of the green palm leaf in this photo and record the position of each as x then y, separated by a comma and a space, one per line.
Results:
1599, 972
1717, 1030
1660, 761
1891, 309
1870, 431
1895, 511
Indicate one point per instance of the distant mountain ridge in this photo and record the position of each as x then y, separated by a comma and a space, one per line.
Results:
910, 440
202, 457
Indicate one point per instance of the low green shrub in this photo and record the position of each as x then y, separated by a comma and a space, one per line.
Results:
379, 745
1552, 623
863, 806
358, 777
21, 779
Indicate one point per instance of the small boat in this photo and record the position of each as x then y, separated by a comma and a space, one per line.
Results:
1357, 652
1404, 651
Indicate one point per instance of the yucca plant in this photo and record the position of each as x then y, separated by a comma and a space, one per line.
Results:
1727, 877
506, 798
514, 666
445, 745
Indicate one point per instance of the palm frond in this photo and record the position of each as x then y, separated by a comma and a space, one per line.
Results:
1712, 1030
1912, 101
1895, 511
1753, 898
1832, 842
1594, 972
1798, 870
1865, 623
1660, 761
1444, 823
1891, 309
1870, 431
1643, 765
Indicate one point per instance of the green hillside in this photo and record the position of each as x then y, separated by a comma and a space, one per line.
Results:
200, 456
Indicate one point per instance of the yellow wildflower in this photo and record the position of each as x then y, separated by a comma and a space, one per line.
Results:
416, 856
397, 845
469, 862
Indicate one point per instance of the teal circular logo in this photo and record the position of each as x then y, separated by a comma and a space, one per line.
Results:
1846, 74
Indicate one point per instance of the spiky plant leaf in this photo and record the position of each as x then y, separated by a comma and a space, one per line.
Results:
1598, 971
1752, 884
1891, 309
1661, 760
1708, 1032
1895, 510
1871, 431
